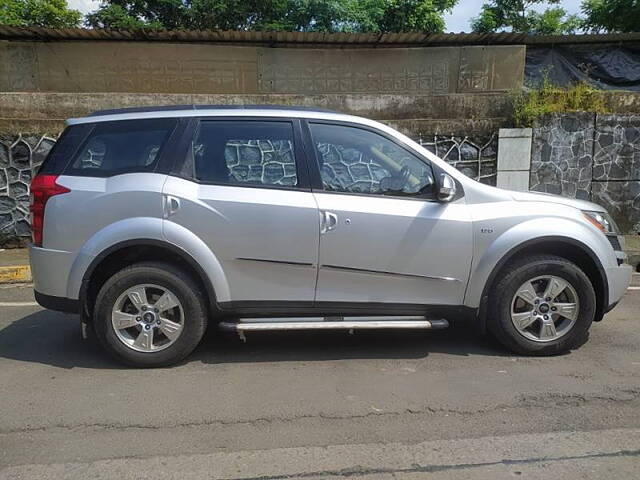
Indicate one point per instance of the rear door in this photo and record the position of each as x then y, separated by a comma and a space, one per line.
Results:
244, 191
385, 239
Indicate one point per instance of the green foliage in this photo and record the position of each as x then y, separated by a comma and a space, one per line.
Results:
40, 13
275, 15
611, 15
411, 15
530, 105
116, 16
554, 21
518, 16
155, 14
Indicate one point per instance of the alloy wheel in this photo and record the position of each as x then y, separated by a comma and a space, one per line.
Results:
545, 308
147, 318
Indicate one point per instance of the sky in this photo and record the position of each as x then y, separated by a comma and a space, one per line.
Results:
85, 6
457, 21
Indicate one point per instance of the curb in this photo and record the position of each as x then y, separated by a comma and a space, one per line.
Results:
15, 274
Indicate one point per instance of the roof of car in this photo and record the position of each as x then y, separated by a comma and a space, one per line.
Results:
175, 111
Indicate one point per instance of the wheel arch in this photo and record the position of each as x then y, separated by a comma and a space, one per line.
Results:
565, 247
117, 256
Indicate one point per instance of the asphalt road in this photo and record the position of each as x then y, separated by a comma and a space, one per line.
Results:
375, 405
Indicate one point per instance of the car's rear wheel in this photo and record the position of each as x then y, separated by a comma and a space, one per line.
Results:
541, 305
150, 314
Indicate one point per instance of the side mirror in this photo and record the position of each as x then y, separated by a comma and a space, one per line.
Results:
446, 188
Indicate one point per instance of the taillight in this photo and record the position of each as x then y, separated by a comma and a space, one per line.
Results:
43, 187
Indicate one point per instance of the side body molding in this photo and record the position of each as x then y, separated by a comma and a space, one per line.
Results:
488, 261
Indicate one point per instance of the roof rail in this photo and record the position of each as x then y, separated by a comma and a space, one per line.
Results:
165, 108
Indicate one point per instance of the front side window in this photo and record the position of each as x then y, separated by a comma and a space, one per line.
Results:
122, 147
355, 160
245, 153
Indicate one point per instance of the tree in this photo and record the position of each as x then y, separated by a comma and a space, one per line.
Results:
158, 14
611, 15
39, 13
518, 16
415, 16
553, 21
276, 15
115, 16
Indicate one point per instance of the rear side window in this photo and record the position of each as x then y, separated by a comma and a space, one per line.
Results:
129, 146
63, 149
245, 153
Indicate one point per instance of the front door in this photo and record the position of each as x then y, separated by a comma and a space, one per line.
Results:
384, 239
245, 196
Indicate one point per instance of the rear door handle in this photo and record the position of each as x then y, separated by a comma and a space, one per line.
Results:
329, 221
171, 205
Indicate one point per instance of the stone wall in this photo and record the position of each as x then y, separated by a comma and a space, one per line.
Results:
562, 155
616, 168
475, 156
458, 126
21, 155
592, 157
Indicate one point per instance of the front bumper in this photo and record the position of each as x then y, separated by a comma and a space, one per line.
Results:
619, 279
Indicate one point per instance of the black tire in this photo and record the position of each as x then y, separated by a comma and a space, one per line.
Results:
499, 322
164, 275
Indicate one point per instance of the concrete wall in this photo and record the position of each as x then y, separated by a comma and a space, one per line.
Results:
451, 99
452, 114
145, 67
514, 158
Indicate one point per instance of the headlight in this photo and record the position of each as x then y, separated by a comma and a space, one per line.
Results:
602, 221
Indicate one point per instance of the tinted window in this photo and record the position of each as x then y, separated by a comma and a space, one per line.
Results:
355, 160
122, 147
245, 153
63, 149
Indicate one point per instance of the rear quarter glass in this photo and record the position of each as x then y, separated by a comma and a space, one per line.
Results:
124, 146
64, 149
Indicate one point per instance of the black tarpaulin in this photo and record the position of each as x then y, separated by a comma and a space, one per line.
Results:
607, 67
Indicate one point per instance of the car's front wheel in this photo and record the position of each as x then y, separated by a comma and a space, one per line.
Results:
541, 305
150, 314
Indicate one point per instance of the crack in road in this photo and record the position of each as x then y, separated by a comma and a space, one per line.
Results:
359, 471
558, 400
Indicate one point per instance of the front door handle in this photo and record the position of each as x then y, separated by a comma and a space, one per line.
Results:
329, 221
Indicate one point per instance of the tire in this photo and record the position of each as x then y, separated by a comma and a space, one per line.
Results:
169, 334
508, 310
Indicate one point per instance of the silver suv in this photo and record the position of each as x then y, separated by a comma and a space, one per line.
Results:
152, 223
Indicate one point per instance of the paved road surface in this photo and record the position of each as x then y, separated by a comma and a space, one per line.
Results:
375, 405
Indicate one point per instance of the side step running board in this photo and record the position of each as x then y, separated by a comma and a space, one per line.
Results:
261, 325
